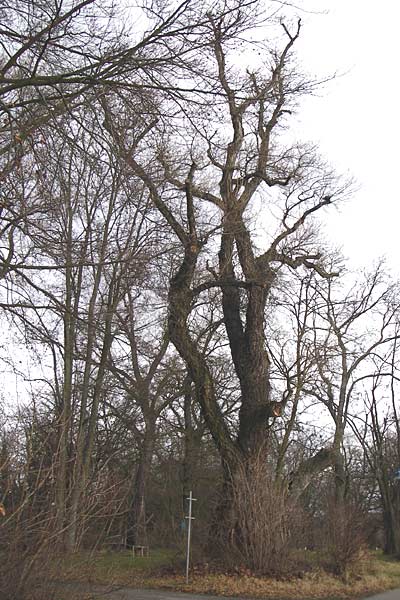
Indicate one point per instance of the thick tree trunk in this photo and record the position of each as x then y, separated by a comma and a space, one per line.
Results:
180, 303
247, 339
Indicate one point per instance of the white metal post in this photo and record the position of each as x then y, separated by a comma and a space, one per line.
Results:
190, 519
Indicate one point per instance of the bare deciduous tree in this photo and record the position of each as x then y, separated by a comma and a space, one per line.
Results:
199, 172
350, 330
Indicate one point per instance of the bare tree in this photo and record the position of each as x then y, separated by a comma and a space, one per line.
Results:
376, 427
197, 173
53, 54
142, 368
351, 329
79, 252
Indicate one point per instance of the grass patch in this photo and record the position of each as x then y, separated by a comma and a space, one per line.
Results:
377, 573
111, 567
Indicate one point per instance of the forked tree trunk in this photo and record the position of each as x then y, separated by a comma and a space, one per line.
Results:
252, 365
180, 303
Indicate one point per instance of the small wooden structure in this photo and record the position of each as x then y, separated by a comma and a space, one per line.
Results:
140, 551
116, 543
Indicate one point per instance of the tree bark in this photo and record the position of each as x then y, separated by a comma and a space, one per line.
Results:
300, 480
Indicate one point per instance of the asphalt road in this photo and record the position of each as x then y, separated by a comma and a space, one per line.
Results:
393, 595
81, 591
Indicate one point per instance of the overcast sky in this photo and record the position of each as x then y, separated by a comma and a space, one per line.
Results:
356, 118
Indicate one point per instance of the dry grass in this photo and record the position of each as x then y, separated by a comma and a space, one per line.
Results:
318, 586
377, 574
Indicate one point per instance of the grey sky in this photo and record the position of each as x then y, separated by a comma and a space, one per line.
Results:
356, 118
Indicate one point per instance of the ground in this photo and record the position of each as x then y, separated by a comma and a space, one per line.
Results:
164, 570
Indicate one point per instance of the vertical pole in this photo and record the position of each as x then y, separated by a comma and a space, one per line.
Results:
190, 519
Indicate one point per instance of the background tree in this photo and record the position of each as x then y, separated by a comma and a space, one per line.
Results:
376, 428
350, 331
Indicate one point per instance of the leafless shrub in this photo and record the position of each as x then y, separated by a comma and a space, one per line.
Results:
27, 517
265, 522
342, 538
27, 555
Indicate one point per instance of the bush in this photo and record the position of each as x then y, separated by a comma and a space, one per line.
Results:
264, 521
26, 548
343, 538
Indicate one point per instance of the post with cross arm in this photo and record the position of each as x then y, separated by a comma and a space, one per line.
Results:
190, 519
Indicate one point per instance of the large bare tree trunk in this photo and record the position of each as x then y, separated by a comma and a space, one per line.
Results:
180, 301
